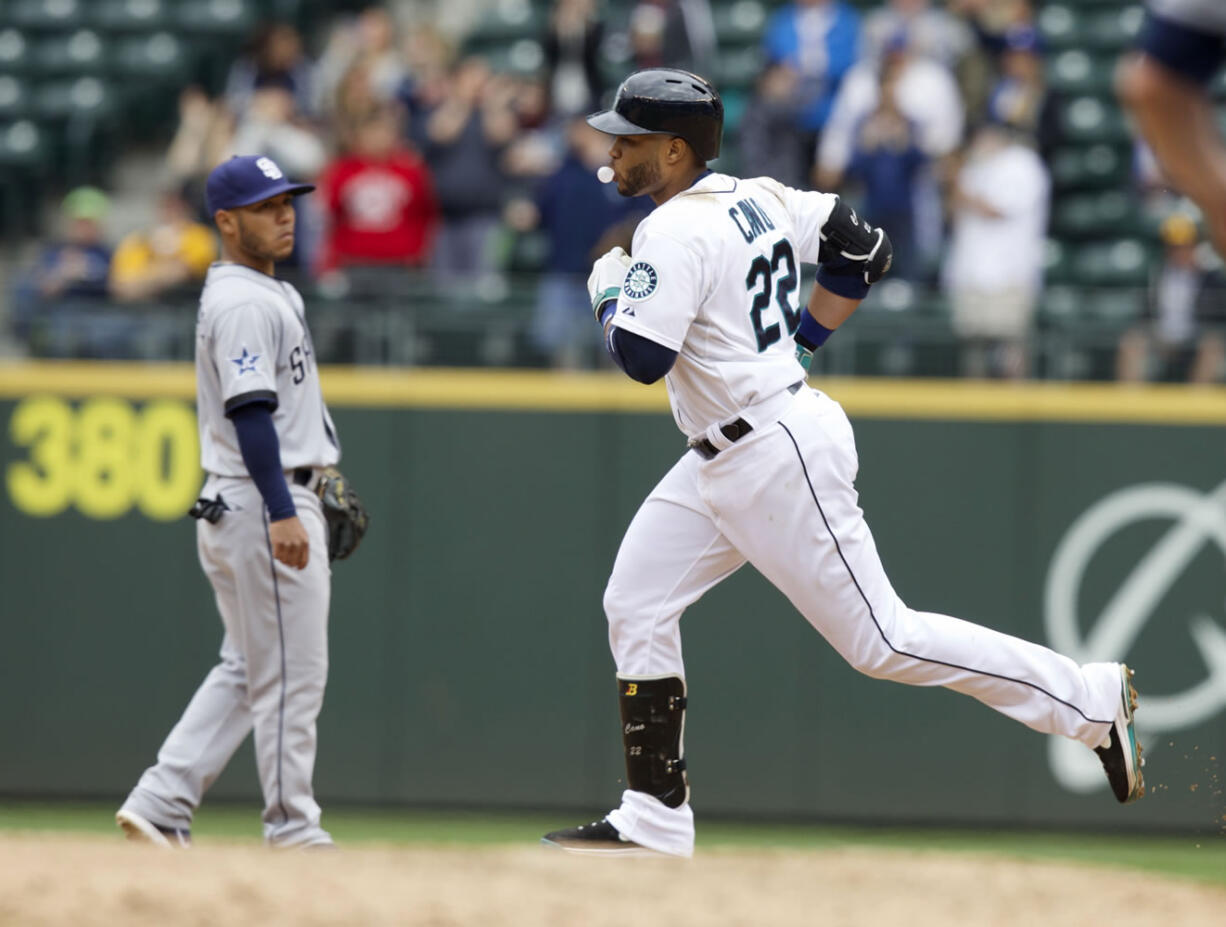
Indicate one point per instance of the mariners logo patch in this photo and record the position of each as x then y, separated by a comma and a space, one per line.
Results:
641, 280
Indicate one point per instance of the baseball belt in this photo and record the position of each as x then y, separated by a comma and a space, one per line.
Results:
306, 477
733, 431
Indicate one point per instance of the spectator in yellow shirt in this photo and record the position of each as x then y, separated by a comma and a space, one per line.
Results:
175, 252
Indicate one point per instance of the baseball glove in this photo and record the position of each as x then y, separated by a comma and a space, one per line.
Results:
346, 516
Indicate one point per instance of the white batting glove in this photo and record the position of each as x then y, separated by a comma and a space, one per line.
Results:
605, 281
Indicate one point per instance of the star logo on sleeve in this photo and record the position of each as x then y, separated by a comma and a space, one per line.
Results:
245, 363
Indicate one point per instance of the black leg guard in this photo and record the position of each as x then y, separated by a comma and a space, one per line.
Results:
653, 723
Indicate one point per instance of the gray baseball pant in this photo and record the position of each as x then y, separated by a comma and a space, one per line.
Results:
274, 664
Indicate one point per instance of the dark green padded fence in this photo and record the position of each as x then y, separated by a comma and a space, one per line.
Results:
469, 662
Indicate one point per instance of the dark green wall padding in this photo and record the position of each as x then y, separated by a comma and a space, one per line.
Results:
469, 662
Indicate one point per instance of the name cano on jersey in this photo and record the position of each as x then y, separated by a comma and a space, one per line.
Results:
751, 219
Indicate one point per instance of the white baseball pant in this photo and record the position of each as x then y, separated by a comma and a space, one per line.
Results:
783, 499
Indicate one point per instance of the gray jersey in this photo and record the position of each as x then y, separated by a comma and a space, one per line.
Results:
252, 341
1205, 15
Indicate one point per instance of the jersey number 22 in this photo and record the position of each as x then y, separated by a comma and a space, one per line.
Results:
767, 278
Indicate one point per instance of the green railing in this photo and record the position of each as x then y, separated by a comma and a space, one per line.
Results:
404, 319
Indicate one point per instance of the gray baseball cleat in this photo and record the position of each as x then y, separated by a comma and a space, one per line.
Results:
140, 829
600, 838
1121, 753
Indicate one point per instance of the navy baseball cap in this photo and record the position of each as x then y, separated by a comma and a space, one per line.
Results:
247, 179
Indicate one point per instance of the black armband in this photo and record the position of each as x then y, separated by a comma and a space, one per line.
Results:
852, 246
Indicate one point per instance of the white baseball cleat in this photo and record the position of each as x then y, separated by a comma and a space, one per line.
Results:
1121, 752
600, 838
140, 829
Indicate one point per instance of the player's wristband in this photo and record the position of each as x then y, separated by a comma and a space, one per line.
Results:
812, 334
602, 300
605, 312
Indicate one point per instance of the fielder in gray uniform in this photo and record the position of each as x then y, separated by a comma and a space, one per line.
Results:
265, 437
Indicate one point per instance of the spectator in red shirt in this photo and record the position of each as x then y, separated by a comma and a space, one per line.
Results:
378, 198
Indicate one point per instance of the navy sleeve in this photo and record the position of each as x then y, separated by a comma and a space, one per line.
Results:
257, 440
641, 358
843, 278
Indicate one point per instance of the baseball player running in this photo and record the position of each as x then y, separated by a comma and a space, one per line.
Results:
265, 437
709, 301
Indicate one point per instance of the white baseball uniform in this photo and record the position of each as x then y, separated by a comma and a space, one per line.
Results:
252, 342
715, 276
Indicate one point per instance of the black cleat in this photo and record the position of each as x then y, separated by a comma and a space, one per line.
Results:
600, 838
1121, 754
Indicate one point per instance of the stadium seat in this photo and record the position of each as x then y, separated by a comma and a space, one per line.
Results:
1124, 262
527, 253
1097, 314
85, 96
738, 68
1113, 305
1113, 29
15, 100
615, 67
1057, 262
151, 69
1058, 304
1073, 217
1075, 71
508, 20
21, 144
739, 23
160, 56
892, 296
1095, 215
233, 18
130, 16
1061, 26
1090, 166
523, 56
22, 169
14, 52
48, 15
1087, 119
79, 114
79, 52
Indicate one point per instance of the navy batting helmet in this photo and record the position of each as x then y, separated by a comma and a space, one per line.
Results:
666, 101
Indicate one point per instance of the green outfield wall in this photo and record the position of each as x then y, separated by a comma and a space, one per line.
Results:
469, 662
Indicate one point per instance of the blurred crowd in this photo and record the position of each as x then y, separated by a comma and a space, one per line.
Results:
932, 117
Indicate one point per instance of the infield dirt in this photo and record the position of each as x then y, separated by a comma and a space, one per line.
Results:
48, 882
